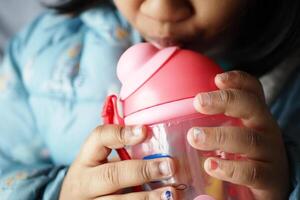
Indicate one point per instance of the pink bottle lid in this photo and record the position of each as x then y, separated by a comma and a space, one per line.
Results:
160, 84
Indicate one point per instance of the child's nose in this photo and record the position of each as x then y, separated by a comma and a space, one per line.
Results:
167, 10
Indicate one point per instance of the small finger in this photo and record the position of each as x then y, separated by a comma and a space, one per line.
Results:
167, 193
240, 80
247, 172
111, 177
107, 137
236, 140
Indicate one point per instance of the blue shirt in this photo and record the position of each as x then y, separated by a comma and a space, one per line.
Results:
53, 81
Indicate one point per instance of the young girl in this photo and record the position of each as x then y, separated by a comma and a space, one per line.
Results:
58, 71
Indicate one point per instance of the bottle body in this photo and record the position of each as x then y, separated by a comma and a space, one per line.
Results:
168, 139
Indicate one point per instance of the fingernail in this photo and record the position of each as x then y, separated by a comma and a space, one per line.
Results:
137, 130
165, 168
213, 164
198, 135
204, 99
167, 195
223, 77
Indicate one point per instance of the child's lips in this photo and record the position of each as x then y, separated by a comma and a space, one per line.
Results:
163, 42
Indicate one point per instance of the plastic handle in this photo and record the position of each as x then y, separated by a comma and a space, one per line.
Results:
108, 115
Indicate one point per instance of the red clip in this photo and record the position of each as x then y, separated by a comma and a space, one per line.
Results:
108, 111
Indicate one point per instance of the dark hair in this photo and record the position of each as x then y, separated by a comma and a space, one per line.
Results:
73, 6
269, 32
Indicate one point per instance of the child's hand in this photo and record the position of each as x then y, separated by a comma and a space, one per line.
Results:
91, 176
265, 171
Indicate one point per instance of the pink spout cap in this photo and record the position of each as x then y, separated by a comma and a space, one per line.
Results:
140, 62
157, 80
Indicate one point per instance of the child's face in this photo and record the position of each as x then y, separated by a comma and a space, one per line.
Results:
182, 22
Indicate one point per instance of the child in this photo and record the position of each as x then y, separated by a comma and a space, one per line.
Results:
58, 71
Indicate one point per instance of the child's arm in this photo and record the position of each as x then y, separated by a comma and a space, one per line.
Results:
26, 172
265, 171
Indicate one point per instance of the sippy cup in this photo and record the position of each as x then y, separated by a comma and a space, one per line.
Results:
158, 88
